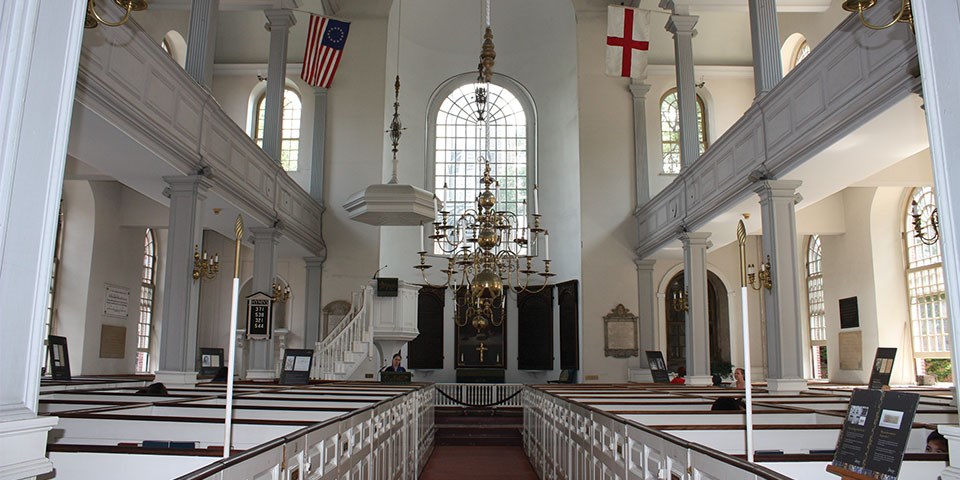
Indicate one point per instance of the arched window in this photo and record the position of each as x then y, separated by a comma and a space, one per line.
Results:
670, 130
289, 128
815, 307
927, 295
147, 286
801, 53
460, 142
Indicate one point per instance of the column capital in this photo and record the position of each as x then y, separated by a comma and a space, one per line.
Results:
639, 90
777, 189
320, 91
644, 264
694, 239
314, 262
189, 184
279, 18
681, 24
266, 234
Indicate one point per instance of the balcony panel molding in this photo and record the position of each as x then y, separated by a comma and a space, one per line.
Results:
126, 79
853, 75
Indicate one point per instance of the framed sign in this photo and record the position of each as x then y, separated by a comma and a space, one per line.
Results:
296, 366
658, 367
874, 434
116, 301
211, 359
259, 316
620, 333
882, 367
59, 357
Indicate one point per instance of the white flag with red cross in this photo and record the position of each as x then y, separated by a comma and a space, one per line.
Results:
628, 40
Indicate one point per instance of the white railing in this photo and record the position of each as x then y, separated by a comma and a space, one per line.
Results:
566, 440
392, 440
494, 395
336, 355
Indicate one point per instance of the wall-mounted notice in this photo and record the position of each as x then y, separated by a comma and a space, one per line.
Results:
113, 341
874, 435
116, 301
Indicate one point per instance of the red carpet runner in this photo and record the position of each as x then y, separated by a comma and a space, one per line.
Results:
478, 463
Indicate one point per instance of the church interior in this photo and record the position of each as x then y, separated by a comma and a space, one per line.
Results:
760, 188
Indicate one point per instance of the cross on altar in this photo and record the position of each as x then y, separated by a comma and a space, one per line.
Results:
481, 349
627, 42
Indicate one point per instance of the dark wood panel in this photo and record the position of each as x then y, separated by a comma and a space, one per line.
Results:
568, 297
426, 351
535, 330
480, 349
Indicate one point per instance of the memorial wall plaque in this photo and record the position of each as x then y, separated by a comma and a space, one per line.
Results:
620, 333
113, 341
851, 350
116, 301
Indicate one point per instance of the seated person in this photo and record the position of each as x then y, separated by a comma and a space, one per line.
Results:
679, 380
936, 443
395, 366
152, 389
739, 377
717, 380
732, 404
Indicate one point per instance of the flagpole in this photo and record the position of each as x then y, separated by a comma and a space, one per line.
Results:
745, 312
232, 340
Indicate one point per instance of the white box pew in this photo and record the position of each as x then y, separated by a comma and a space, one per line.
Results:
106, 430
817, 470
770, 417
302, 417
114, 466
275, 402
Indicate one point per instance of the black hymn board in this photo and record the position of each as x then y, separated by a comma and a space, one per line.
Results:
535, 330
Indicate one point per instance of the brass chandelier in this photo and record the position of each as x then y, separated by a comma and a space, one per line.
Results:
904, 15
93, 18
486, 249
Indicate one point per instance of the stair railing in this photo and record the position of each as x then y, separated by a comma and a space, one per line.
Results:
356, 327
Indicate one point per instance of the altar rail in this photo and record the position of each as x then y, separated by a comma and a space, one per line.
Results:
493, 395
565, 440
391, 440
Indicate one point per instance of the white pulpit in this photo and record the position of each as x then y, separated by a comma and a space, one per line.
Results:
394, 320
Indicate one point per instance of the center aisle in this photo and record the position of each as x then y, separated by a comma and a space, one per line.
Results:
469, 463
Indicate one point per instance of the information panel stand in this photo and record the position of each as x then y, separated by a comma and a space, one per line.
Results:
874, 435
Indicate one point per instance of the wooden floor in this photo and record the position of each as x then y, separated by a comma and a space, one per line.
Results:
469, 463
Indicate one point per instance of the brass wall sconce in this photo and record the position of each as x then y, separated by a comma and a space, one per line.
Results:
680, 301
280, 294
920, 230
762, 278
205, 266
93, 18
905, 15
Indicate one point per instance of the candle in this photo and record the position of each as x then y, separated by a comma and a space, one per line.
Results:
422, 235
436, 206
496, 190
546, 245
536, 200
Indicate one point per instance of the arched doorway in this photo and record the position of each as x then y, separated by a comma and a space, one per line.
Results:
717, 318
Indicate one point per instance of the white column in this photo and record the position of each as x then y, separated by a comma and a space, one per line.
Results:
698, 326
181, 293
261, 352
314, 306
647, 311
39, 54
681, 26
202, 41
765, 37
319, 143
639, 93
782, 302
938, 33
279, 22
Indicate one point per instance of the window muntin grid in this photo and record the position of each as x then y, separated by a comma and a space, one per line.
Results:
289, 129
670, 130
461, 142
815, 304
925, 286
147, 287
803, 50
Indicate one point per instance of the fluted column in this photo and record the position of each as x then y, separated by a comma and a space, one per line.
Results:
181, 293
319, 143
647, 311
261, 352
37, 94
279, 22
698, 325
202, 41
782, 302
765, 37
682, 28
641, 164
938, 34
314, 306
